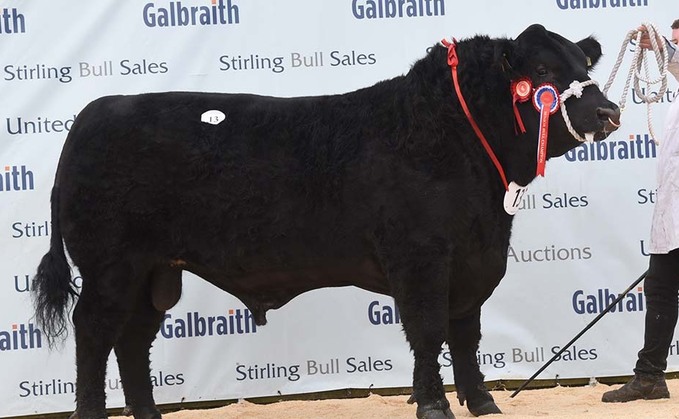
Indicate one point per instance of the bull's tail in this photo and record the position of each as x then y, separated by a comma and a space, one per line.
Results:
52, 286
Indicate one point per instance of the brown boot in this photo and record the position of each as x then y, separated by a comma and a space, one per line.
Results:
646, 387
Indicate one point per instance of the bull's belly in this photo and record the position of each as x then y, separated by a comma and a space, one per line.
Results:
266, 289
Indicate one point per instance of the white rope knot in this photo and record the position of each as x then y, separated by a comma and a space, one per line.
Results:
574, 89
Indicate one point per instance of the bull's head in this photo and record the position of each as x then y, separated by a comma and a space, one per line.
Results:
543, 57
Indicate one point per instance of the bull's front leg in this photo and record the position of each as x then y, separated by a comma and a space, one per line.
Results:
463, 339
420, 288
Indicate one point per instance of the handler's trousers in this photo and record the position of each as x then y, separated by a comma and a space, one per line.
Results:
661, 287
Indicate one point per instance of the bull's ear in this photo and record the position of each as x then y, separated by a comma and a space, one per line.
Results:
504, 57
592, 49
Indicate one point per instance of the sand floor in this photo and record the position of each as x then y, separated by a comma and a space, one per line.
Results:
559, 402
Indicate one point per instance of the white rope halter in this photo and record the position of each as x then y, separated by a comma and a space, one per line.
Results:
575, 89
638, 59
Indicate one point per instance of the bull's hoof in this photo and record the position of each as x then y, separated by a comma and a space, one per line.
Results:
76, 415
142, 412
435, 414
436, 410
484, 408
479, 401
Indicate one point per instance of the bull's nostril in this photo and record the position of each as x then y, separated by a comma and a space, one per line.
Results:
609, 115
610, 118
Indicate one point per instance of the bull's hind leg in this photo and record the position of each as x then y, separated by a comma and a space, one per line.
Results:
420, 287
464, 336
132, 352
161, 292
103, 308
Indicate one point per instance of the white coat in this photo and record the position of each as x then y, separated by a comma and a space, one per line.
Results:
665, 224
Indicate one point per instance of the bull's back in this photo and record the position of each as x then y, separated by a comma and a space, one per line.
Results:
267, 183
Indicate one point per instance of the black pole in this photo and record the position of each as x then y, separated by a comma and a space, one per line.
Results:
592, 323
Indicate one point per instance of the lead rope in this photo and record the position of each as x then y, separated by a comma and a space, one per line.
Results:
639, 59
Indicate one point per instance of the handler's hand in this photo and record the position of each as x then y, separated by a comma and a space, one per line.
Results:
645, 41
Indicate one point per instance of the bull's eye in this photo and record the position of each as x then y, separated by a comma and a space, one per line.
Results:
541, 71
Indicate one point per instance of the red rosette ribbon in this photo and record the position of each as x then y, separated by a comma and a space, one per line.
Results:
521, 90
546, 101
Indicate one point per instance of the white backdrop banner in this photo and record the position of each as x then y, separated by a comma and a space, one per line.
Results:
580, 238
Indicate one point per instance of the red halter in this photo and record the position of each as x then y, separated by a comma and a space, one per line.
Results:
452, 62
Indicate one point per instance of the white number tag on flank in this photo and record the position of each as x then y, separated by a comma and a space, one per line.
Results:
213, 117
513, 197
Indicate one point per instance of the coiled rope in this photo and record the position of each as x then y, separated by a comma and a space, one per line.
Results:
639, 60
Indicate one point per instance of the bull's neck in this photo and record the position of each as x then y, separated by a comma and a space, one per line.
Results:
486, 91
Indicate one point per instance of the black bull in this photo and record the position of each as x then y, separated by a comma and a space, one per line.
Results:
386, 188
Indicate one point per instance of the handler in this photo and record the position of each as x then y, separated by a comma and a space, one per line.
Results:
661, 285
